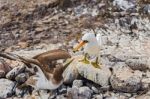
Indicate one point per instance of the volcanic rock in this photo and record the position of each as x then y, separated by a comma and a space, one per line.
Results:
6, 89
126, 80
98, 76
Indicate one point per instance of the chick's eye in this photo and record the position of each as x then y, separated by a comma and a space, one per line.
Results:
85, 41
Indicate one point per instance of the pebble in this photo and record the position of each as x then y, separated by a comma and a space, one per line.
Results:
15, 71
22, 77
77, 83
4, 68
6, 89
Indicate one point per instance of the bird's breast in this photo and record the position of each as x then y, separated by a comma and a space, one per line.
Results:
92, 49
47, 84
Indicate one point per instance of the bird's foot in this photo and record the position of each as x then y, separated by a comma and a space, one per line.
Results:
84, 61
96, 65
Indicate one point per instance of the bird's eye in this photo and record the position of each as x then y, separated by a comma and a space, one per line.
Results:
85, 41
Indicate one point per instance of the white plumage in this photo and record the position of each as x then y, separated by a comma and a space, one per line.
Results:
42, 82
92, 47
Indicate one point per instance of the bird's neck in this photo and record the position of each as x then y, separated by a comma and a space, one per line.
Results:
93, 42
57, 74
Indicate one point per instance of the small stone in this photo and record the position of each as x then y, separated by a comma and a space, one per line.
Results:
6, 89
105, 88
79, 93
62, 89
23, 44
148, 74
13, 63
39, 29
61, 97
85, 93
112, 95
144, 96
19, 92
99, 96
73, 93
52, 97
138, 64
145, 83
15, 71
4, 68
2, 73
95, 90
22, 77
78, 83
9, 49
36, 41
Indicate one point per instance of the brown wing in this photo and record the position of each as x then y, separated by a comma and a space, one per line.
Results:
63, 54
48, 59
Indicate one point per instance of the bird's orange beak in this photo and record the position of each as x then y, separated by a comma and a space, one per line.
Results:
79, 46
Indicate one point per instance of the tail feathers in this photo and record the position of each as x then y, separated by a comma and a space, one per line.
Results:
9, 56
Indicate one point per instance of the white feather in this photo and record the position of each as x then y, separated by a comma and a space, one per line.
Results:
92, 47
99, 39
43, 82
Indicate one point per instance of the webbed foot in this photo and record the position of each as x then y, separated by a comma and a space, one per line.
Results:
84, 61
96, 65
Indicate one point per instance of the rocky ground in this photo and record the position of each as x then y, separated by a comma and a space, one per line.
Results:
30, 27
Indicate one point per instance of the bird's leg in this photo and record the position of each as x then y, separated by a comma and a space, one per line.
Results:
96, 63
85, 60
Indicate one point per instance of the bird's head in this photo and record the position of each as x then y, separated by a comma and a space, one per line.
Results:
87, 38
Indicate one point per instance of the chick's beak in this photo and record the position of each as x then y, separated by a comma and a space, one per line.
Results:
79, 46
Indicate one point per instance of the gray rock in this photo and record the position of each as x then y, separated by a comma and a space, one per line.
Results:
145, 84
43, 94
95, 90
99, 96
78, 83
138, 64
98, 76
146, 9
18, 92
52, 96
116, 97
148, 74
73, 93
61, 97
6, 89
22, 77
80, 93
112, 95
62, 89
71, 72
2, 74
126, 80
85, 93
15, 71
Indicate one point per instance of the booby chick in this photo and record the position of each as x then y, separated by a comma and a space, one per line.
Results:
91, 47
42, 78
53, 80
